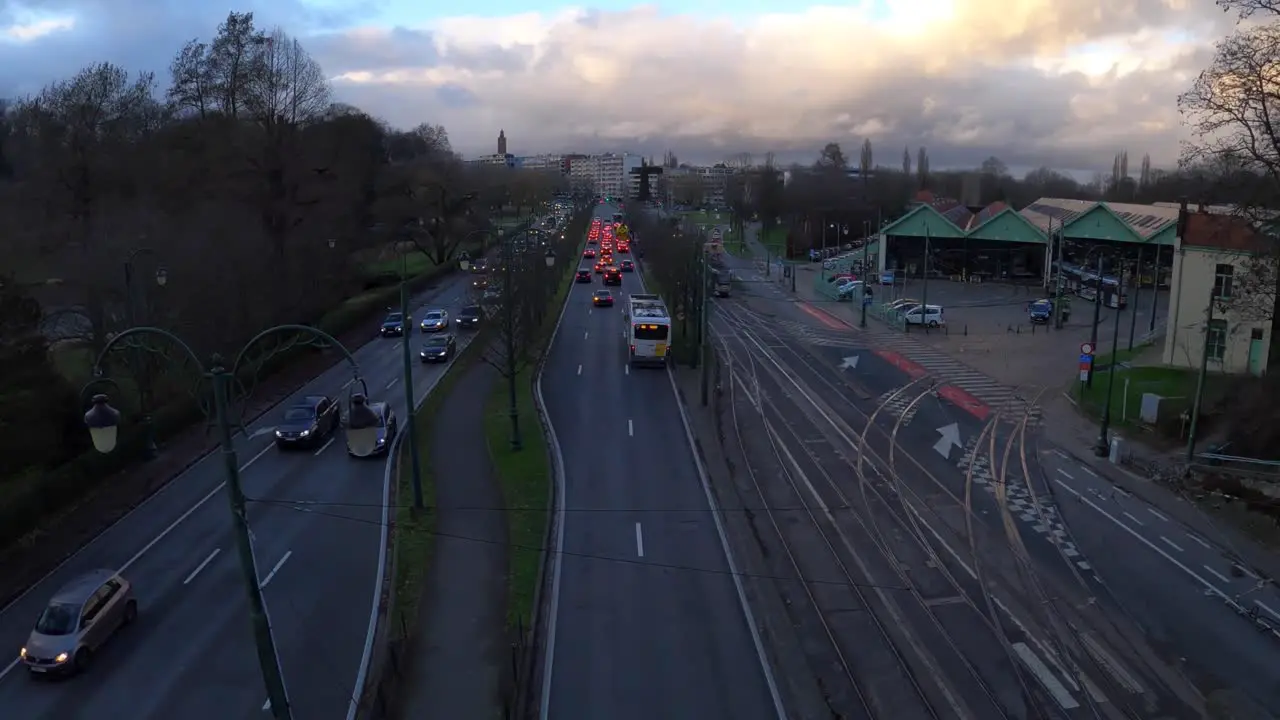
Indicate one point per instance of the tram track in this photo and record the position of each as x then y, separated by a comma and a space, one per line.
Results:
1061, 642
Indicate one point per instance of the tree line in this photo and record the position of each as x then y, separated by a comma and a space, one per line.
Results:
263, 200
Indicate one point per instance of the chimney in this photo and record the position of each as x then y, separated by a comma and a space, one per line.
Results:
1182, 217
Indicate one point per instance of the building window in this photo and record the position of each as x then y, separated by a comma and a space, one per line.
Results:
1222, 279
1216, 340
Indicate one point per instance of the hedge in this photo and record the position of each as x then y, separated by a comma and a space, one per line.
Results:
27, 500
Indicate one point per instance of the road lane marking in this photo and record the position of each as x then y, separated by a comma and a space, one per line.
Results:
579, 369
1046, 677
181, 518
203, 564
391, 382
1171, 543
1110, 664
1133, 518
626, 369
586, 335
639, 541
347, 384
1153, 512
276, 569
1200, 540
1266, 607
1218, 575
1068, 475
631, 429
1089, 470
323, 447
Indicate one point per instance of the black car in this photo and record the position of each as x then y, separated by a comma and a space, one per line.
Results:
469, 317
612, 277
584, 276
438, 349
393, 325
309, 422
387, 427
479, 267
480, 283
627, 266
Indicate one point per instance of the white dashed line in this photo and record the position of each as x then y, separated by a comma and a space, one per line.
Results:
1157, 514
626, 369
1088, 470
639, 541
1217, 574
631, 429
1266, 607
323, 447
1200, 540
1066, 474
202, 566
393, 381
1131, 517
579, 369
276, 569
586, 335
1170, 543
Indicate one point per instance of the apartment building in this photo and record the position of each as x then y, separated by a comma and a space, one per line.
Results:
714, 180
608, 174
558, 163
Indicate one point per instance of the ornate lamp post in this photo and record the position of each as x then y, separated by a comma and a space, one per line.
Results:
103, 422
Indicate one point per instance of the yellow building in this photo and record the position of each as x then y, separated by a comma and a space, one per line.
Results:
1213, 263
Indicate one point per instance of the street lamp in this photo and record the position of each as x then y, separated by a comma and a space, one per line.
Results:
149, 448
333, 242
103, 422
1101, 449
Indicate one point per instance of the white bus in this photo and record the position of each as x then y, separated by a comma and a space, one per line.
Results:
648, 329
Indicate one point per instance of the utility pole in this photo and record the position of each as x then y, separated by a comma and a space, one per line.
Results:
1097, 317
411, 423
924, 292
509, 329
1200, 380
1104, 442
1155, 290
1059, 278
1137, 285
704, 334
866, 274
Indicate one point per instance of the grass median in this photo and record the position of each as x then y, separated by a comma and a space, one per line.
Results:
524, 475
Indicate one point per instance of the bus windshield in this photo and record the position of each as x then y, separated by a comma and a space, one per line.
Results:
650, 332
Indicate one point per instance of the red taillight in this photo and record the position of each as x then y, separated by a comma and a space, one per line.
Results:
633, 349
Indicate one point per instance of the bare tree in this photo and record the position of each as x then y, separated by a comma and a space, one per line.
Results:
922, 168
866, 159
906, 161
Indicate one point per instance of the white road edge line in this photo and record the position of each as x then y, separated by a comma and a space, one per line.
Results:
728, 554
553, 604
279, 564
366, 655
639, 541
323, 447
203, 564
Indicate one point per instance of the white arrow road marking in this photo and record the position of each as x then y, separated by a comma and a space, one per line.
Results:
950, 438
850, 363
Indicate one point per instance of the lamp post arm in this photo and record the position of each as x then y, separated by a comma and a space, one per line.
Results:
133, 337
311, 336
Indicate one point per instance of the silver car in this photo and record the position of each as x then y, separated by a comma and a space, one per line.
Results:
79, 619
435, 321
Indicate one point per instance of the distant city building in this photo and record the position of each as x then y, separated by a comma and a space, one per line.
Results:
607, 174
502, 142
495, 160
558, 163
714, 180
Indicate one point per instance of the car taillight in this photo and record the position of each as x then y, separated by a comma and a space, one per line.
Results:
633, 348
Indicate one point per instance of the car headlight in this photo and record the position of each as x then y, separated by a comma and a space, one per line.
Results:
304, 433
61, 658
279, 433
382, 441
22, 653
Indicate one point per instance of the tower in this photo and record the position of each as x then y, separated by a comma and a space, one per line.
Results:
502, 142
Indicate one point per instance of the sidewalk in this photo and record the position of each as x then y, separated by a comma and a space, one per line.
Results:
461, 647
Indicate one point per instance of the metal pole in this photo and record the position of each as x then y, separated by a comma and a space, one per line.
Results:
924, 292
866, 276
513, 410
1101, 449
268, 657
1155, 290
1204, 372
1059, 278
705, 350
410, 422
1133, 304
149, 449
1097, 315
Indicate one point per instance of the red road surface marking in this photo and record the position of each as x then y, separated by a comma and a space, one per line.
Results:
824, 317
950, 393
964, 401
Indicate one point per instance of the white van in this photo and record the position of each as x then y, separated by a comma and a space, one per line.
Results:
929, 315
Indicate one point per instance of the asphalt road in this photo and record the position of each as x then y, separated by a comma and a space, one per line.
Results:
913, 509
646, 619
316, 518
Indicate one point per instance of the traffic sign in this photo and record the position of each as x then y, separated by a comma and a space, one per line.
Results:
1086, 348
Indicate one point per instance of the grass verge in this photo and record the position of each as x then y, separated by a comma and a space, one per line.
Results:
524, 475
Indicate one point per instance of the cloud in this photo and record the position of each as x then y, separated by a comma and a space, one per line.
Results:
1060, 82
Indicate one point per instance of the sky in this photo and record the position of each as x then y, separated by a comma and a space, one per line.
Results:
1058, 83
